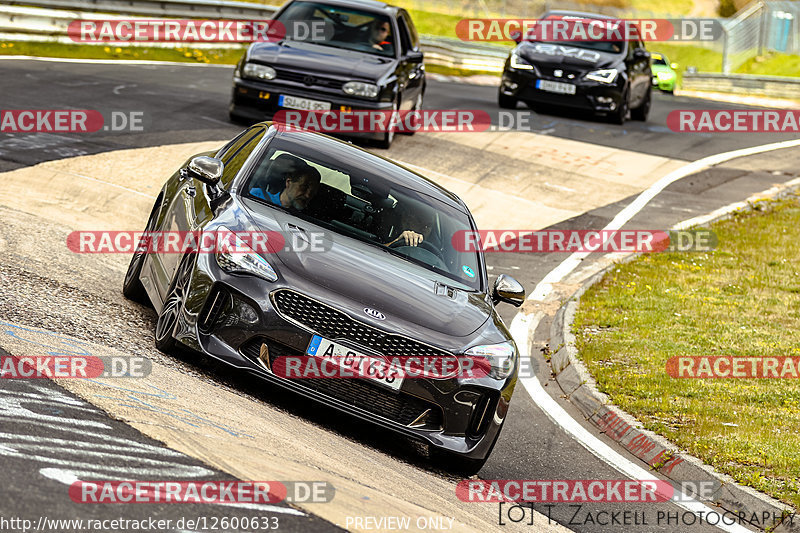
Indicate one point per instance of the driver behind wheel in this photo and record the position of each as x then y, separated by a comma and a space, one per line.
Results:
379, 34
419, 224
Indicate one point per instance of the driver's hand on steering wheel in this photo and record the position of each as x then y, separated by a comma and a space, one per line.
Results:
409, 238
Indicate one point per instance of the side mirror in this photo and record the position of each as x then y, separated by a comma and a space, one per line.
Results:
641, 53
673, 66
206, 169
507, 289
516, 36
414, 56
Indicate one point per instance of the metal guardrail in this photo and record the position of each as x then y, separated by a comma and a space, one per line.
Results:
774, 86
45, 24
159, 8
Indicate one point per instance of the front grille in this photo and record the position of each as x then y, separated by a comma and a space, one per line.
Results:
334, 324
549, 72
398, 407
303, 78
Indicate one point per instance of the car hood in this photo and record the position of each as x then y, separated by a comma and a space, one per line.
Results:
352, 275
554, 54
317, 59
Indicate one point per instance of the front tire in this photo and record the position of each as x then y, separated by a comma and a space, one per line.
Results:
621, 114
132, 287
641, 112
173, 306
417, 107
388, 136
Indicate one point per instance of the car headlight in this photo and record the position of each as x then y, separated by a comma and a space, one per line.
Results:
500, 356
664, 76
259, 72
234, 255
358, 88
606, 75
518, 63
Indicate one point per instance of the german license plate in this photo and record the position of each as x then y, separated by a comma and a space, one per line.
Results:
292, 102
355, 363
555, 87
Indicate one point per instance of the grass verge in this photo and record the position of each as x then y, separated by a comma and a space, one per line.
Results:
741, 300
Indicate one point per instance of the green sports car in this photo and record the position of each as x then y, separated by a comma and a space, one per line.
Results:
664, 76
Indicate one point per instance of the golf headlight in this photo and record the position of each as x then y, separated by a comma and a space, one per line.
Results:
234, 255
518, 63
259, 72
500, 356
358, 88
664, 76
606, 75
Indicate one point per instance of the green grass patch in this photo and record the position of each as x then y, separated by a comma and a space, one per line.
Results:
772, 64
741, 300
89, 51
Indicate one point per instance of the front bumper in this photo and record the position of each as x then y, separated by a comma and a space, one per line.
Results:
664, 84
589, 95
258, 101
229, 317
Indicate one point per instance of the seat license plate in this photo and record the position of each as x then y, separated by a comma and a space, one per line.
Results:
555, 87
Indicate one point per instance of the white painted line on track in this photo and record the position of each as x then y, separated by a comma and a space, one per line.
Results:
523, 326
115, 61
545, 287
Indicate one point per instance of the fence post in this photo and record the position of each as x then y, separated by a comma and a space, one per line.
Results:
726, 66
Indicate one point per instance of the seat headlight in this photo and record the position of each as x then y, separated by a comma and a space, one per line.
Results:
234, 255
358, 88
518, 63
501, 357
259, 72
606, 75
664, 76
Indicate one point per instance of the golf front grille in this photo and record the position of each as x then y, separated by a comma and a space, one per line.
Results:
358, 392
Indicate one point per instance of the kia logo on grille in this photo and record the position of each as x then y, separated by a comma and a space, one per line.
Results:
374, 314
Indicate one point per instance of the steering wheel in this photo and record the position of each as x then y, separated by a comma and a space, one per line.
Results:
428, 249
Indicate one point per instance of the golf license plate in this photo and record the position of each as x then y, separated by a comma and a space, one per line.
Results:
292, 102
354, 363
555, 87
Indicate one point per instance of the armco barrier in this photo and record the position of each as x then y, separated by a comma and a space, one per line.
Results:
49, 24
774, 86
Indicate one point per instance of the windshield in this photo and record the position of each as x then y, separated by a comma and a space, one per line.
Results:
576, 23
339, 27
659, 60
348, 198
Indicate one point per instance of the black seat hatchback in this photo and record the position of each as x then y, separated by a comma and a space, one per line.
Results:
611, 78
336, 55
